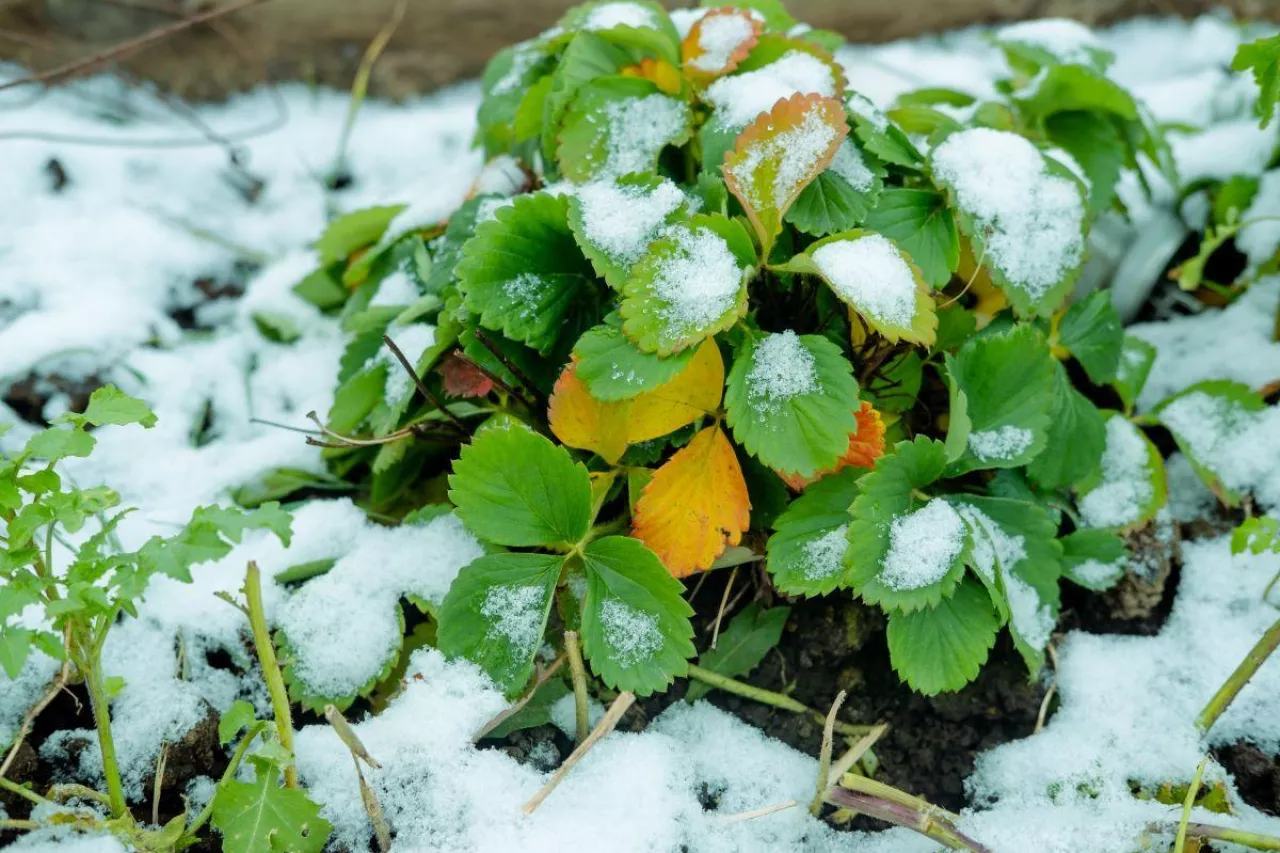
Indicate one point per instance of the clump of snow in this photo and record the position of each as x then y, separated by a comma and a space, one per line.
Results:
850, 165
1126, 487
1068, 41
862, 106
606, 16
718, 38
794, 155
564, 714
621, 220
639, 128
699, 280
739, 98
21, 693
992, 548
781, 368
923, 545
1237, 147
631, 634
684, 19
1260, 239
398, 288
1031, 219
515, 613
503, 176
870, 273
1098, 573
1007, 442
824, 555
56, 839
1229, 441
1032, 619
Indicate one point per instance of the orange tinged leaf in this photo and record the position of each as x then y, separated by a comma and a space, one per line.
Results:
718, 41
463, 378
657, 71
695, 506
580, 420
779, 154
866, 445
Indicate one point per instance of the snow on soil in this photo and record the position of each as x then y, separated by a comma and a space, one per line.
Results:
96, 273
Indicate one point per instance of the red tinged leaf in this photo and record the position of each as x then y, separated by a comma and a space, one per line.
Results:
462, 378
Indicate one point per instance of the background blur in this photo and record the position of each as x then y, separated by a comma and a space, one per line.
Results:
438, 41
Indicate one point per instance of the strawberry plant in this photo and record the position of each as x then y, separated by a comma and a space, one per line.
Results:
705, 295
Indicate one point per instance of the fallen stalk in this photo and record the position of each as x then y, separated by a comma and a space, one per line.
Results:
824, 757
431, 396
1208, 832
606, 725
770, 697
901, 809
1235, 683
519, 703
30, 718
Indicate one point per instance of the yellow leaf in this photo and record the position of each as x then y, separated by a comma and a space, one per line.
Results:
718, 41
866, 445
991, 299
693, 394
580, 420
657, 71
695, 506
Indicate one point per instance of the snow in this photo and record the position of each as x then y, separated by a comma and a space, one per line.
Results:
850, 166
1033, 218
621, 220
699, 280
606, 16
1098, 573
781, 368
413, 341
1007, 442
1259, 239
739, 98
870, 274
395, 290
516, 614
1126, 487
632, 635
923, 545
639, 128
718, 38
1235, 444
21, 693
993, 549
824, 555
1070, 42
793, 154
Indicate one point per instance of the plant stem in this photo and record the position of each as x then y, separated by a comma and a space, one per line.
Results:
897, 807
606, 725
1245, 671
1235, 836
270, 667
236, 758
15, 825
1180, 842
824, 757
101, 704
578, 672
769, 697
25, 793
519, 703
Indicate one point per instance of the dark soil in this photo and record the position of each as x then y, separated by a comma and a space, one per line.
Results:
1257, 774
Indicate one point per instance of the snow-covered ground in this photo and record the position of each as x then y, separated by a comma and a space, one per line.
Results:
90, 275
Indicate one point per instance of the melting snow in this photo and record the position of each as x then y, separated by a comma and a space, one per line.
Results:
923, 545
869, 273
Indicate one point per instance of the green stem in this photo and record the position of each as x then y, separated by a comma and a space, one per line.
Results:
578, 672
759, 694
1235, 836
1245, 671
25, 793
236, 758
101, 704
15, 825
1180, 842
270, 667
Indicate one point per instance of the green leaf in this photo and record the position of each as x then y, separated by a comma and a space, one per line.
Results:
635, 625
1077, 437
354, 231
773, 12
841, 196
806, 551
15, 645
920, 222
1017, 557
691, 284
1093, 141
791, 402
1094, 559
881, 137
741, 646
496, 612
588, 56
1136, 358
514, 487
1262, 57
618, 125
57, 443
1092, 332
233, 720
1207, 420
536, 712
524, 275
1071, 88
110, 405
1028, 49
1256, 535
904, 553
943, 647
1129, 487
614, 369
263, 817
1007, 379
616, 220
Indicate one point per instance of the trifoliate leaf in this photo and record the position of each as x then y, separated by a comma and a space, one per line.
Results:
866, 445
873, 277
1093, 141
1136, 358
1023, 213
523, 274
942, 648
1092, 332
617, 125
791, 401
920, 222
635, 625
1077, 437
1007, 380
779, 154
1017, 557
695, 506
514, 487
614, 369
718, 41
1262, 57
1129, 487
1207, 420
806, 551
741, 646
263, 817
496, 611
904, 553
841, 196
690, 285
1094, 559
580, 420
616, 220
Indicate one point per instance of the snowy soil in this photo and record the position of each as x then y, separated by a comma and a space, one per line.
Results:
95, 272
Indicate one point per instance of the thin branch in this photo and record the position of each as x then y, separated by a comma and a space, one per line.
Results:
495, 379
1048, 694
1238, 679
516, 371
30, 718
845, 762
519, 703
361, 84
607, 724
737, 817
426, 392
1180, 841
824, 757
724, 602
893, 806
